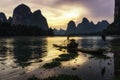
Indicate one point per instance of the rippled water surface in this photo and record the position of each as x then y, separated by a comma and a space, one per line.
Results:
21, 57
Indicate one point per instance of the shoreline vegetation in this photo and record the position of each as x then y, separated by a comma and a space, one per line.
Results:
9, 30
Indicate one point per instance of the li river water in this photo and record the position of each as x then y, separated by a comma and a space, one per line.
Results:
21, 57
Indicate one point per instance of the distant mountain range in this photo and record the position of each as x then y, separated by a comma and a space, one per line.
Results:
60, 32
87, 27
22, 16
84, 28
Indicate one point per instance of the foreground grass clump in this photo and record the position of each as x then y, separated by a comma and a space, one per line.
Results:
60, 77
57, 61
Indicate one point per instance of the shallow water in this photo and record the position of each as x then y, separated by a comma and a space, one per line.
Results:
21, 57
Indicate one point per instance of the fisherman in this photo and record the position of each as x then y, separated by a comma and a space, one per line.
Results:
72, 46
67, 37
103, 37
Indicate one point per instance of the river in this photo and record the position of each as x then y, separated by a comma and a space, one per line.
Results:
21, 57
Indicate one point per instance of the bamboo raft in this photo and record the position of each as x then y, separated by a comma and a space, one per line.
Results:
89, 51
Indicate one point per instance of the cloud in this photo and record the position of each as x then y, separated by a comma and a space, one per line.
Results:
97, 8
57, 11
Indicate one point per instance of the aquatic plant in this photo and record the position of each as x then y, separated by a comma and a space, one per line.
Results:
74, 68
51, 64
66, 57
60, 77
57, 61
64, 77
33, 78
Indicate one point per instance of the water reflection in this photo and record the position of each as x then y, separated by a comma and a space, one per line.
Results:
22, 50
31, 53
89, 66
26, 50
94, 42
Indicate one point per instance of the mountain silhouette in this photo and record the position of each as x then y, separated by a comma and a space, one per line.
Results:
22, 15
71, 28
60, 32
3, 17
35, 21
85, 27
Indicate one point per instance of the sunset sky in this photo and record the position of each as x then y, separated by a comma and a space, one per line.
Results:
60, 12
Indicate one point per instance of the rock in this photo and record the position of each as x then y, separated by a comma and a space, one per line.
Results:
71, 28
10, 19
22, 15
100, 26
3, 17
87, 27
85, 20
117, 12
114, 28
59, 32
37, 19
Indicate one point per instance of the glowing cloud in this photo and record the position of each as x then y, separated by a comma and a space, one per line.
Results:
60, 12
60, 17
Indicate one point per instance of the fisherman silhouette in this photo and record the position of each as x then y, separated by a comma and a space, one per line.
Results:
103, 37
72, 46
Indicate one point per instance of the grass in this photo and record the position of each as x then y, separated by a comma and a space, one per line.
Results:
57, 61
60, 77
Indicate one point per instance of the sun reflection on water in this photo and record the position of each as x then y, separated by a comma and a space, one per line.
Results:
78, 61
39, 50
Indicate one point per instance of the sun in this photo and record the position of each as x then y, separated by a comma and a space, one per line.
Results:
60, 17
72, 14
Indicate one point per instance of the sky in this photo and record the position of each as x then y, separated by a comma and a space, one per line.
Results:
60, 12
